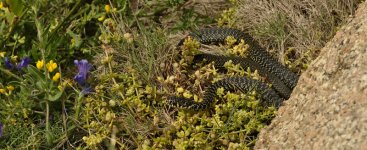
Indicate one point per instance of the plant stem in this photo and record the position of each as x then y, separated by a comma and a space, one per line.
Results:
10, 74
48, 133
78, 105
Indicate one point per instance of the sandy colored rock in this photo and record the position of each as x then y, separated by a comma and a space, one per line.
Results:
328, 108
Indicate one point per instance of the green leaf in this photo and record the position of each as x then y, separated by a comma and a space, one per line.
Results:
16, 6
9, 16
77, 40
2, 26
56, 96
34, 72
40, 85
21, 40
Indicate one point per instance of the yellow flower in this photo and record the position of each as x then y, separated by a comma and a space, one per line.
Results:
101, 18
10, 87
40, 64
56, 77
2, 54
2, 91
187, 94
51, 66
230, 40
107, 8
180, 90
1, 5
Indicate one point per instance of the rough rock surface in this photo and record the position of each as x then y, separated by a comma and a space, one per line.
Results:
328, 108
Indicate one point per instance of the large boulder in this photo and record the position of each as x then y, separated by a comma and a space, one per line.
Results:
328, 108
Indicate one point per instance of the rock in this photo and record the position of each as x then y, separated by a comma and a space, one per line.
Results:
328, 108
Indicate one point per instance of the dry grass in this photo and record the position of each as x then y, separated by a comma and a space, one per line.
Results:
305, 25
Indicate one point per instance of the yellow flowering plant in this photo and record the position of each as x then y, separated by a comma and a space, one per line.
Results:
35, 79
29, 96
38, 88
51, 66
40, 64
107, 8
56, 77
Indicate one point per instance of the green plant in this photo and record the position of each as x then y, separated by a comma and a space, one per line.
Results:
31, 96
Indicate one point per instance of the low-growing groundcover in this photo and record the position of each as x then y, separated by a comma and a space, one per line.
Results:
96, 75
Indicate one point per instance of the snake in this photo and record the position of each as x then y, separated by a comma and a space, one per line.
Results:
283, 80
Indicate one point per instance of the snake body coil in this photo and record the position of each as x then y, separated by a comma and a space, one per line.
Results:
282, 79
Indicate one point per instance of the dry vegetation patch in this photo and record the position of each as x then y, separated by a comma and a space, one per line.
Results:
295, 29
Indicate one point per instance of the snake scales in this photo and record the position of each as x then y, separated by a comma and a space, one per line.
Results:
281, 78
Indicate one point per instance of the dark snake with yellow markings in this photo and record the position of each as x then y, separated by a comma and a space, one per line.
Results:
282, 79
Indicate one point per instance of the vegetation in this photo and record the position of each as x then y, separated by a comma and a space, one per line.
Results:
96, 75
294, 30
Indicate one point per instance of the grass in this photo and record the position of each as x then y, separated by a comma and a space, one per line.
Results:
135, 66
294, 28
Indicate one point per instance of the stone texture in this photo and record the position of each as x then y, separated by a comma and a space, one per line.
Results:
328, 108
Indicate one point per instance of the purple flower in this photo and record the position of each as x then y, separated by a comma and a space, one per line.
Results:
81, 77
83, 68
23, 63
8, 64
